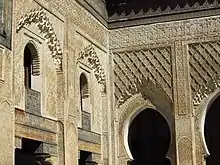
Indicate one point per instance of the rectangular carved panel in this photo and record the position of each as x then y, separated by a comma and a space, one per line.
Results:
86, 121
33, 101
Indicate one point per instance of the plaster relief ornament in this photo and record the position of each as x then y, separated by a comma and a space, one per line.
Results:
39, 17
138, 87
90, 55
206, 89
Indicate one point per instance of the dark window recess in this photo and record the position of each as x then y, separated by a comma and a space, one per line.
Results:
31, 153
27, 67
86, 158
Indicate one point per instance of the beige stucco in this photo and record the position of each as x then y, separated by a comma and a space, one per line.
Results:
162, 52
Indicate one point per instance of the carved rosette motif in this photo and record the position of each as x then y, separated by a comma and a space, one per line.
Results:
134, 70
204, 69
39, 17
91, 56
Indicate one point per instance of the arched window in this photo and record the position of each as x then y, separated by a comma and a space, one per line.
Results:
85, 102
84, 87
31, 66
27, 67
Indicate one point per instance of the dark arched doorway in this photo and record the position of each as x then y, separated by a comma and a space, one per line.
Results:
149, 138
212, 132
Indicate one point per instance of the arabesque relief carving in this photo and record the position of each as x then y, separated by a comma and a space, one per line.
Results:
91, 56
39, 17
204, 69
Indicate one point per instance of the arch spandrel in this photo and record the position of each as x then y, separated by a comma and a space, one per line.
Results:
200, 112
133, 106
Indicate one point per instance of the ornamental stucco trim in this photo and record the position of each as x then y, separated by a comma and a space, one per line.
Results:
205, 90
91, 56
39, 17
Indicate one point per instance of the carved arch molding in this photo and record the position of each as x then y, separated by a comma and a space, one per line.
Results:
39, 17
92, 58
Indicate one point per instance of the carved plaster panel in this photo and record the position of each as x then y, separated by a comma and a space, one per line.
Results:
164, 32
134, 69
39, 17
92, 59
204, 69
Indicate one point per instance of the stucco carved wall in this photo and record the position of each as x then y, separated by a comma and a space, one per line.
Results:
193, 49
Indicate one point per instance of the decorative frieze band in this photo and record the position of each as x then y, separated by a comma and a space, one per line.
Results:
168, 10
39, 17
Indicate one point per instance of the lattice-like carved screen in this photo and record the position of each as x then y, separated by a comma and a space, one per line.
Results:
147, 63
204, 63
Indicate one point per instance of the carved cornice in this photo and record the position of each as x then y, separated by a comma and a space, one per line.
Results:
205, 90
39, 17
168, 10
90, 55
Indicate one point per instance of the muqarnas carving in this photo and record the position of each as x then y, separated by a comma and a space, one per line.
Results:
137, 87
92, 58
39, 17
205, 90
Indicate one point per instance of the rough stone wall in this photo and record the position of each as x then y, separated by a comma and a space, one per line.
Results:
194, 65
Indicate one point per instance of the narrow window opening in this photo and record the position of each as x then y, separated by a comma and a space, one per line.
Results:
32, 78
27, 67
85, 102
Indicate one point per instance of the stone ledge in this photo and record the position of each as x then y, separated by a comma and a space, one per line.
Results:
88, 136
39, 122
35, 134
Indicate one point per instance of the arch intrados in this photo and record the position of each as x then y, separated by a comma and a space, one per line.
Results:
130, 119
32, 48
208, 104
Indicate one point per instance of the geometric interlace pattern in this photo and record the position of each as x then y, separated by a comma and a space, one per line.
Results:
154, 63
204, 63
